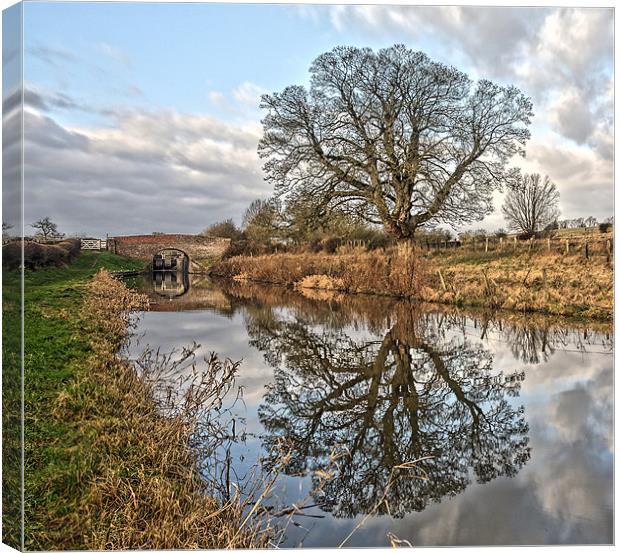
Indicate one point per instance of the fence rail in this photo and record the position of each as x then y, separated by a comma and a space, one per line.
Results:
93, 244
586, 245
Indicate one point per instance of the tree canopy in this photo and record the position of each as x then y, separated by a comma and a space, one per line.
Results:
46, 228
223, 229
394, 136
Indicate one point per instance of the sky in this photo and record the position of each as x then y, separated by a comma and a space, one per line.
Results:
144, 117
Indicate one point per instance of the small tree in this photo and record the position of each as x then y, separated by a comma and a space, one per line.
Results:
46, 228
261, 221
531, 204
223, 229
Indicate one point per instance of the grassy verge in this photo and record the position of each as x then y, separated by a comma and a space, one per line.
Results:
104, 468
547, 283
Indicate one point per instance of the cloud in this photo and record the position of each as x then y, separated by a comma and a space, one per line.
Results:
52, 55
140, 171
242, 100
248, 94
114, 53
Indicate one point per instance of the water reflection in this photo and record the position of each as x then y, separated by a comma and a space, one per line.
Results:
170, 284
413, 394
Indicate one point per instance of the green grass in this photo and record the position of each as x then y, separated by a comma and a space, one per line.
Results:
55, 351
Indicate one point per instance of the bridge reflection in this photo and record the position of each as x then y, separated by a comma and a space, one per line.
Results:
170, 284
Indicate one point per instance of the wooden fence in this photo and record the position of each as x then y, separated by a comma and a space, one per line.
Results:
588, 245
93, 244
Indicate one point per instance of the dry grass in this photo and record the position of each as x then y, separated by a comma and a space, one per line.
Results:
549, 283
143, 487
396, 272
543, 282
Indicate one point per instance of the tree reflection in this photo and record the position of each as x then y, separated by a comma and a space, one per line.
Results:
413, 394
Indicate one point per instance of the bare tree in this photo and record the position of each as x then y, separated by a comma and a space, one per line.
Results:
531, 205
398, 138
46, 228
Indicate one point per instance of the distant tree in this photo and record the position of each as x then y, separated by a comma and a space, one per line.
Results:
531, 204
46, 228
433, 235
5, 231
223, 229
553, 225
610, 220
500, 233
394, 136
591, 221
307, 217
261, 220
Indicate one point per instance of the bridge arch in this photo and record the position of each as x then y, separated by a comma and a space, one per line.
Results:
170, 259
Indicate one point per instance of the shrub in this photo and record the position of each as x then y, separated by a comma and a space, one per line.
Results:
330, 245
604, 227
379, 240
314, 246
56, 255
72, 246
11, 256
35, 255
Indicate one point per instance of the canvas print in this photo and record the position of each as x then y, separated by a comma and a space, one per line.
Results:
297, 275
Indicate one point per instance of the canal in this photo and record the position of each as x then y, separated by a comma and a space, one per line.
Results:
404, 421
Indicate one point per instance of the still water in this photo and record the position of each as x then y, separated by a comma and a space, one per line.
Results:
510, 421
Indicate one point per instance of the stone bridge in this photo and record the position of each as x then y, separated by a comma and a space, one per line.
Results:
201, 251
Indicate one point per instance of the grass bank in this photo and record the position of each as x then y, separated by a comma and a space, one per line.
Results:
549, 283
105, 469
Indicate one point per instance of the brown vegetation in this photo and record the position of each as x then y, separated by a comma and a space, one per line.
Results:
398, 272
543, 282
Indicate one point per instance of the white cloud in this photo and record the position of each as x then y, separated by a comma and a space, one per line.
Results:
140, 171
248, 94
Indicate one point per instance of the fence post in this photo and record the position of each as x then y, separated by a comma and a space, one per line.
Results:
501, 243
608, 249
567, 247
486, 245
515, 243
549, 244
586, 251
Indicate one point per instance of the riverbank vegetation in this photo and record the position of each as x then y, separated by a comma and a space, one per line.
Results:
546, 282
105, 467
